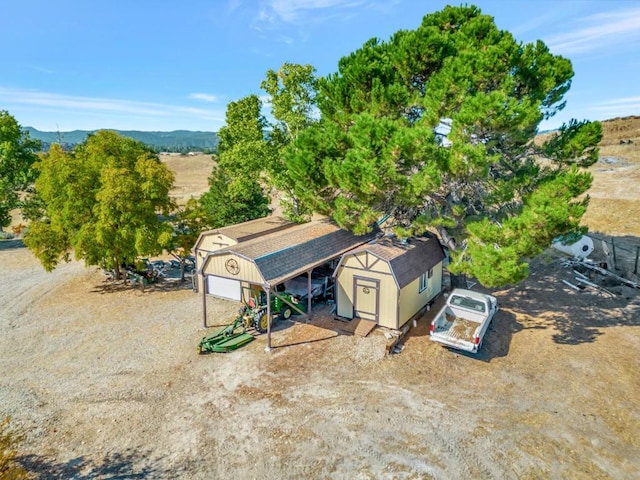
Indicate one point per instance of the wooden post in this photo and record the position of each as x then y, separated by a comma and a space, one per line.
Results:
204, 303
635, 268
268, 320
309, 294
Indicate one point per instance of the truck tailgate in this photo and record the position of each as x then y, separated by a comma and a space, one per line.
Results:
456, 332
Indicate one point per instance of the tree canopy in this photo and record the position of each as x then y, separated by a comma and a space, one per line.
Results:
292, 96
236, 190
102, 201
436, 128
17, 155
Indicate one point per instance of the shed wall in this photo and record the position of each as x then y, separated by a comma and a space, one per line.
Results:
365, 265
247, 269
412, 300
210, 243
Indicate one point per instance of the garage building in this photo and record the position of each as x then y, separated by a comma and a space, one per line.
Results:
270, 260
216, 239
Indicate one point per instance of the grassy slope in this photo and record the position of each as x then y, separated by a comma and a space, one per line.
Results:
614, 208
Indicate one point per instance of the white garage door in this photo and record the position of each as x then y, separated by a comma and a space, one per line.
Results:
223, 287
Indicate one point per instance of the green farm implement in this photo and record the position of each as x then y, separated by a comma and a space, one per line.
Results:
229, 337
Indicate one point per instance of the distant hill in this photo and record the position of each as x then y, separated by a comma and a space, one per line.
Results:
177, 141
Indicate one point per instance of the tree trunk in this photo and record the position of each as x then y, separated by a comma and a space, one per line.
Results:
116, 270
457, 281
447, 239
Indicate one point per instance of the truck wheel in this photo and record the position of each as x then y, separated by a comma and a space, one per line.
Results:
261, 322
285, 313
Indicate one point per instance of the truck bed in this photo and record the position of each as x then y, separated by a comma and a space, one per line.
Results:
457, 328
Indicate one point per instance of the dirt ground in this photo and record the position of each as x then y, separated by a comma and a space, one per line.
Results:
106, 382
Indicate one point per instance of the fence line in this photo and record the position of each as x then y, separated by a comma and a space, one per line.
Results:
624, 253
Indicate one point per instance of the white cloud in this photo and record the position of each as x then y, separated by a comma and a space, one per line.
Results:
205, 97
41, 69
617, 107
275, 12
46, 99
292, 11
600, 31
40, 105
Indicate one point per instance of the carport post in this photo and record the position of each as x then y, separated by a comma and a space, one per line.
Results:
309, 294
204, 302
268, 348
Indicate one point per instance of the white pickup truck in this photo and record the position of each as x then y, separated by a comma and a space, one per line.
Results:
464, 320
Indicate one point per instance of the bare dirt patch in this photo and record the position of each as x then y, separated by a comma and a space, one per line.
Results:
109, 383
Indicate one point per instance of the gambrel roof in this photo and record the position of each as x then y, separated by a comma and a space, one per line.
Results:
243, 232
408, 259
288, 253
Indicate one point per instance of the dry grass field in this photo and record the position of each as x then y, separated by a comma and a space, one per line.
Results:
192, 172
106, 382
614, 207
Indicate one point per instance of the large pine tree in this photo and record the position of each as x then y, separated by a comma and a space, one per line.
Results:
436, 128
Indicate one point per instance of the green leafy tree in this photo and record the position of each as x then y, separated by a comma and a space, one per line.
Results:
236, 186
17, 155
102, 202
436, 128
188, 221
292, 91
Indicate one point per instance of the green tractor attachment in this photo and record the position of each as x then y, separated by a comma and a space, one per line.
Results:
227, 338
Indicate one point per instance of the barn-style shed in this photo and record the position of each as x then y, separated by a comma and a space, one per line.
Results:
388, 281
213, 240
270, 260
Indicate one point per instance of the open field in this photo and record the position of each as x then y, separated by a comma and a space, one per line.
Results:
106, 382
192, 173
615, 194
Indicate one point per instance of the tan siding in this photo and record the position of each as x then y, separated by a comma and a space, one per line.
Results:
210, 243
388, 301
411, 300
343, 299
248, 271
367, 266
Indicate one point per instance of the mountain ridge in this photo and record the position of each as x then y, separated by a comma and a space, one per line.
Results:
167, 141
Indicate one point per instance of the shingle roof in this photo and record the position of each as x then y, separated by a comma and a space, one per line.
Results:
251, 229
288, 253
408, 260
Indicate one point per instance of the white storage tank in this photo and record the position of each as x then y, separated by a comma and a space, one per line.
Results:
580, 247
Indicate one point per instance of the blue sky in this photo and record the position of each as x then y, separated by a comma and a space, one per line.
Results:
169, 65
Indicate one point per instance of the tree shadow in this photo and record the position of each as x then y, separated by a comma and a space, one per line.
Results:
578, 316
12, 244
128, 465
497, 339
160, 286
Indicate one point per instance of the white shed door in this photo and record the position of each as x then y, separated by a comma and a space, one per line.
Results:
223, 287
